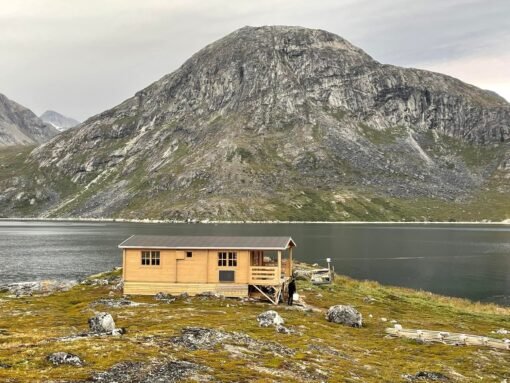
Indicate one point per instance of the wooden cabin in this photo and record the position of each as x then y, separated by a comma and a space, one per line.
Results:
231, 266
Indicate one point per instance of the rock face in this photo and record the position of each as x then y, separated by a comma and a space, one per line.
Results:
346, 315
58, 358
19, 126
58, 121
272, 122
270, 318
101, 323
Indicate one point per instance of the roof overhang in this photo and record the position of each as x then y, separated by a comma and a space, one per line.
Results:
176, 243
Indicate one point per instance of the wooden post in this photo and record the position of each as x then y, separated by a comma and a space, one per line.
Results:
290, 262
279, 264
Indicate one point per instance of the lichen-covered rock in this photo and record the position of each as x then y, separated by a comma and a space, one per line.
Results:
426, 376
202, 338
23, 289
270, 318
101, 323
346, 315
58, 358
210, 294
196, 338
168, 371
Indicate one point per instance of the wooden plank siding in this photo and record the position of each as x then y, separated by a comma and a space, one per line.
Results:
152, 288
178, 273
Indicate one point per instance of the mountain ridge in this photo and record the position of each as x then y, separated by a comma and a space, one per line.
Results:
20, 126
278, 122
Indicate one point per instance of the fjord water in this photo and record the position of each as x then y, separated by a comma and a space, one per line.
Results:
471, 261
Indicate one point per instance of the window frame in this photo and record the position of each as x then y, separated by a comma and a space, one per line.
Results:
150, 258
189, 254
227, 258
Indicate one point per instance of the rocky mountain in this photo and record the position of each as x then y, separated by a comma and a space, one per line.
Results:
20, 126
59, 121
279, 123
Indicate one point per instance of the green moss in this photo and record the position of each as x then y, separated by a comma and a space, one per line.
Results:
382, 137
32, 324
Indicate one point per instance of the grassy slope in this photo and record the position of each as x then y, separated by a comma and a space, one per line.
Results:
29, 326
347, 204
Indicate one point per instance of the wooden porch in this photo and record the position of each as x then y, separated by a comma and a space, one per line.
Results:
269, 275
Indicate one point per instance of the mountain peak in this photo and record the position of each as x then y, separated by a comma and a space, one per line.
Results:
59, 121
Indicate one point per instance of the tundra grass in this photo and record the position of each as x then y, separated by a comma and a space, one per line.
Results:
30, 328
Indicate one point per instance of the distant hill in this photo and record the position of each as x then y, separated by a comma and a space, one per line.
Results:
59, 121
281, 123
20, 126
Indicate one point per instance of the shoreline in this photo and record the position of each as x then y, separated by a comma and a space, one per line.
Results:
216, 222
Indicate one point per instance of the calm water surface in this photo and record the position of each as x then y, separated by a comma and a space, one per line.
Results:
471, 261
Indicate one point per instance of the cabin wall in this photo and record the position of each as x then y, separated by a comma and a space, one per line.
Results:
175, 267
194, 269
135, 271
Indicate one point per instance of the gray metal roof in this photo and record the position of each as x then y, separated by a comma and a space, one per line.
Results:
206, 242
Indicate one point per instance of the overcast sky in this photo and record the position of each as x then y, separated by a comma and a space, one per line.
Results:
81, 57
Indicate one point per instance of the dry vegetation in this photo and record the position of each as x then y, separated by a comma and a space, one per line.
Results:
30, 326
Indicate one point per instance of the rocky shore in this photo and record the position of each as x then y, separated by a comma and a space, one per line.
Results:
90, 332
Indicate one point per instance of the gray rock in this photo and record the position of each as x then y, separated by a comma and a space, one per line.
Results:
116, 303
164, 297
101, 323
284, 330
23, 289
202, 338
58, 358
196, 338
159, 371
5, 365
346, 315
426, 376
210, 294
270, 318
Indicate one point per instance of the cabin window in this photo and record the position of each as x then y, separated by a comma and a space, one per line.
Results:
227, 258
150, 258
189, 254
227, 276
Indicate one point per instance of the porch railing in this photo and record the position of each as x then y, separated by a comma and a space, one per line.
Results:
264, 275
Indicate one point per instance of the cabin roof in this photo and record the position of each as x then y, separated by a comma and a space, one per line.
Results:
206, 242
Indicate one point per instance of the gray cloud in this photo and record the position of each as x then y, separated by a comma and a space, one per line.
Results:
81, 57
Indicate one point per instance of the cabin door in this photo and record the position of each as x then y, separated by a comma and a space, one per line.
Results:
257, 258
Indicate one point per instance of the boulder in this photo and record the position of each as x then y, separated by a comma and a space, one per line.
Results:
101, 323
58, 358
161, 296
346, 315
270, 318
283, 330
210, 294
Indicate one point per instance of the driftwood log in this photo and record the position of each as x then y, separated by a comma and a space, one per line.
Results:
450, 338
